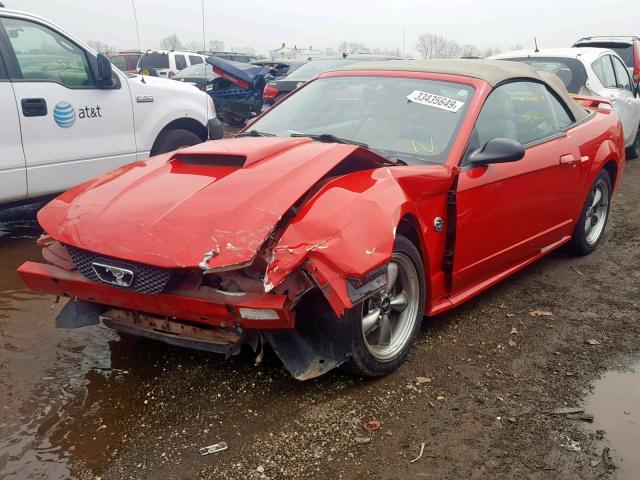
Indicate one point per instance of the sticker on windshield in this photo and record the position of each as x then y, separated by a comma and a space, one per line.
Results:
432, 100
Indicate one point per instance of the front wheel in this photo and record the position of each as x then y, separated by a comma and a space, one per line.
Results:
633, 151
384, 326
173, 139
593, 220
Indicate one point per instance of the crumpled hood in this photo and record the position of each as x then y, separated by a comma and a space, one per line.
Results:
209, 206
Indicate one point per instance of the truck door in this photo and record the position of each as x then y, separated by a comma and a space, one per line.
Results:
72, 130
13, 178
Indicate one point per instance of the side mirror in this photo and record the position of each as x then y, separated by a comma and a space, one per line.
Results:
497, 150
105, 71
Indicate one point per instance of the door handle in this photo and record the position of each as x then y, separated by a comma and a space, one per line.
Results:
34, 107
568, 160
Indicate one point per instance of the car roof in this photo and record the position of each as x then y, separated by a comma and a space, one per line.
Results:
493, 72
586, 54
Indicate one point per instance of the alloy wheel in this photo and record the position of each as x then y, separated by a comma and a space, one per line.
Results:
389, 317
596, 216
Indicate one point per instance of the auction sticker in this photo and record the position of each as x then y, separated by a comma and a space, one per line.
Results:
432, 100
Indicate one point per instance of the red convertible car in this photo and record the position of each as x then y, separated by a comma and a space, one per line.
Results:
369, 198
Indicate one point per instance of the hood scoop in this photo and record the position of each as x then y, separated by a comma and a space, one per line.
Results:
209, 159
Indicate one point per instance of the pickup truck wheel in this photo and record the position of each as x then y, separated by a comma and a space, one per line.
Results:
384, 326
593, 220
173, 139
633, 151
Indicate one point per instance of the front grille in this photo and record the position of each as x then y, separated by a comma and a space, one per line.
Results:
146, 279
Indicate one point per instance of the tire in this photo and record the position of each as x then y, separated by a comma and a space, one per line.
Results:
173, 139
633, 151
235, 121
587, 236
371, 356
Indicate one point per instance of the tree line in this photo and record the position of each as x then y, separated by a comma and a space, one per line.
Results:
428, 45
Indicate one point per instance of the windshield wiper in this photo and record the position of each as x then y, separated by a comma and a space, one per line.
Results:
255, 133
329, 138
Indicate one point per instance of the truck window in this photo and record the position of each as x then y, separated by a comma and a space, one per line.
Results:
45, 55
154, 60
120, 62
181, 62
195, 60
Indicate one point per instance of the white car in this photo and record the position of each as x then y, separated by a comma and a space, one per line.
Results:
597, 72
68, 116
166, 63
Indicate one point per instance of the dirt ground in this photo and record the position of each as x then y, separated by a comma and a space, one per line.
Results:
88, 404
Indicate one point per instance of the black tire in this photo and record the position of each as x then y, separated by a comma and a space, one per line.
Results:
235, 121
580, 243
363, 362
633, 151
173, 139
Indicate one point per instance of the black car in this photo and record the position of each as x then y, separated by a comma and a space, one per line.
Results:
278, 88
196, 74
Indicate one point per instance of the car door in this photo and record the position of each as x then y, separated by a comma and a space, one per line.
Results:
508, 213
627, 95
604, 70
13, 177
72, 130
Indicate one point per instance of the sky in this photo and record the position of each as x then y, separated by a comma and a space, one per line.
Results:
265, 25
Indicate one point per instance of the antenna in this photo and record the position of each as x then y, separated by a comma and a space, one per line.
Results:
135, 17
535, 41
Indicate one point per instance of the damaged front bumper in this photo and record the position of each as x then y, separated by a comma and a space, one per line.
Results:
205, 306
204, 319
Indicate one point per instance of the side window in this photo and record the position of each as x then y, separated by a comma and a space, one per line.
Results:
622, 74
181, 62
43, 54
604, 71
194, 59
521, 111
120, 62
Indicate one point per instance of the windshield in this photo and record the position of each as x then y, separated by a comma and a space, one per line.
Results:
316, 67
197, 71
154, 60
413, 120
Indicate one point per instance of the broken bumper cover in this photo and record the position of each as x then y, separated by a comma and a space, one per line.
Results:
203, 306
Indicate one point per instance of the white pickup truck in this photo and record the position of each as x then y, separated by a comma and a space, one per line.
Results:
68, 115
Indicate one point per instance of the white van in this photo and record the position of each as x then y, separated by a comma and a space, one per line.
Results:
166, 63
68, 116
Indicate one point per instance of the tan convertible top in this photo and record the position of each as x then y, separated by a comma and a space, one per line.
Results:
491, 71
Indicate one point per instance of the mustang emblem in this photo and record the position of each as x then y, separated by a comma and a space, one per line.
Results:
122, 277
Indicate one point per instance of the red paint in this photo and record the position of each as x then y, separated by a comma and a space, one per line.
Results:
235, 198
231, 78
270, 92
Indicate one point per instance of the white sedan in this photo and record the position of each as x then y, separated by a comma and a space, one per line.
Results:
597, 72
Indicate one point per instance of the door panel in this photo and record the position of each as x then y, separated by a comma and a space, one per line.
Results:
627, 100
507, 213
85, 130
13, 178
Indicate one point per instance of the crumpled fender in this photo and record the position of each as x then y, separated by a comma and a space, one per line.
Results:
349, 227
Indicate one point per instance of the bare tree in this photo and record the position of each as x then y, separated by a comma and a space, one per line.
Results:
517, 46
469, 50
430, 45
216, 46
101, 47
172, 42
193, 46
353, 47
488, 51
